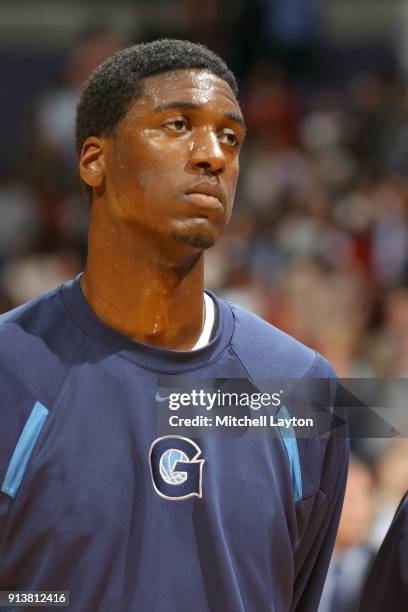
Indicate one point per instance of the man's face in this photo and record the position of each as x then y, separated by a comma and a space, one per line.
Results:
171, 167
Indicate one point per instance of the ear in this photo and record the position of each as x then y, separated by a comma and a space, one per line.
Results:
92, 161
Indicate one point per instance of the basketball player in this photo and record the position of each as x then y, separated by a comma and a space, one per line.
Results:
93, 500
387, 584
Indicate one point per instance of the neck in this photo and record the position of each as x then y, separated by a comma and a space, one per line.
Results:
144, 290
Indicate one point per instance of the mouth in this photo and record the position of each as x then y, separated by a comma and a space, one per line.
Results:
205, 192
203, 200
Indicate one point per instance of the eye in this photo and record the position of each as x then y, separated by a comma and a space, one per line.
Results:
229, 138
177, 125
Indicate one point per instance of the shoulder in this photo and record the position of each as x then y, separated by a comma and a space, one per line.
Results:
256, 340
33, 324
273, 360
20, 314
36, 342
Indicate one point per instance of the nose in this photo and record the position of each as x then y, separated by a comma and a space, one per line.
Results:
206, 153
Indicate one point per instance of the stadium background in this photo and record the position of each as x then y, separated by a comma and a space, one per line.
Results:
318, 243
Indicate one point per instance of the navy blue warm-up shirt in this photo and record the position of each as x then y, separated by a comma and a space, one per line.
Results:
387, 584
86, 504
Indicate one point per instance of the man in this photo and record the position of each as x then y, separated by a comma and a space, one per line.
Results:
94, 501
387, 585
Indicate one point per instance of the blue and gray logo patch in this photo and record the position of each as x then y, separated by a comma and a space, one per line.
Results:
177, 473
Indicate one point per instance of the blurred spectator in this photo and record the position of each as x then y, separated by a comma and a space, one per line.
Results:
54, 111
19, 214
391, 468
353, 554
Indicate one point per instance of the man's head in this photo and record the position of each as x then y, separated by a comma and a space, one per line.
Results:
106, 95
158, 133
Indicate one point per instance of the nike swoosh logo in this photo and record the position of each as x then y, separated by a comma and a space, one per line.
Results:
159, 398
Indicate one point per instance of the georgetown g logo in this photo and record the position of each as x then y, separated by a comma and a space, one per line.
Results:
176, 471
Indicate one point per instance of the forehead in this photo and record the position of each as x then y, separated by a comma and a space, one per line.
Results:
195, 86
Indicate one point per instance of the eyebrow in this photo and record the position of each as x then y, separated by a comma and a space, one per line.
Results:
191, 106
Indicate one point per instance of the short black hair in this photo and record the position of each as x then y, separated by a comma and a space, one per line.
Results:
111, 87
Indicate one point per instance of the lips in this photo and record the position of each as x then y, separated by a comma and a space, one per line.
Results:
206, 192
203, 203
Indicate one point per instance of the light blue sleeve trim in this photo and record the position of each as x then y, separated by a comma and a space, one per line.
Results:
24, 448
289, 440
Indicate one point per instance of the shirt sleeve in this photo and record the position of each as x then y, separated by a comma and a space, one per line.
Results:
16, 406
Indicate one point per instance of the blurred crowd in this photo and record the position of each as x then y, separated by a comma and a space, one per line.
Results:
317, 245
372, 496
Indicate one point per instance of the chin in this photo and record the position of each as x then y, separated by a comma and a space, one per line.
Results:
198, 240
